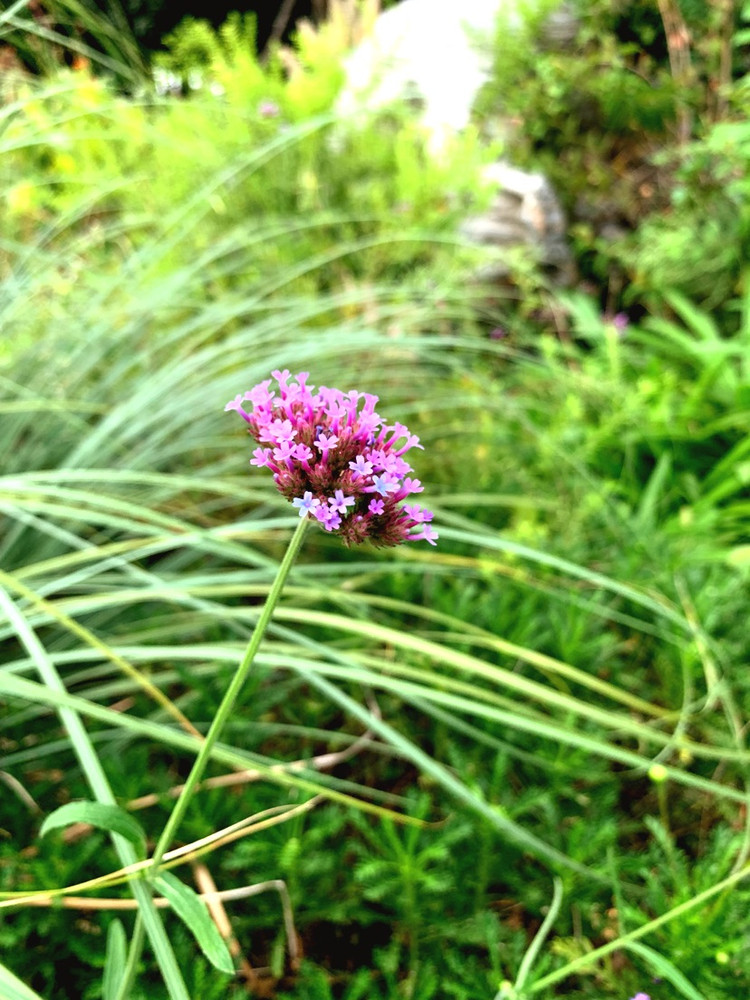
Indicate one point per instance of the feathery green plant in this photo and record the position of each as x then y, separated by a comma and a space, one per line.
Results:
567, 634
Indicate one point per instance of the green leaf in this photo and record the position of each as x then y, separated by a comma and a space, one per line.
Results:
191, 909
115, 961
99, 814
11, 987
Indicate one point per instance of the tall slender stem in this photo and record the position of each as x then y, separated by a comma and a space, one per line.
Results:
227, 704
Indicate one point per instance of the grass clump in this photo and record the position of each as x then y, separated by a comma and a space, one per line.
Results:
513, 766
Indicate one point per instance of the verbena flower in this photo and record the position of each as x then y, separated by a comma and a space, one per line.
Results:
641, 996
336, 459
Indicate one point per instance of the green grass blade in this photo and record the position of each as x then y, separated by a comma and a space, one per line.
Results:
11, 987
100, 787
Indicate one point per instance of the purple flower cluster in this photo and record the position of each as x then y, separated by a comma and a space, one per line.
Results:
333, 456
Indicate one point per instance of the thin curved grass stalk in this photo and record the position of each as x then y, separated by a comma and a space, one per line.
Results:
441, 653
591, 959
476, 705
180, 855
567, 567
31, 691
662, 608
19, 791
495, 814
664, 969
115, 65
319, 762
102, 792
548, 665
464, 662
31, 27
92, 640
545, 729
432, 561
545, 664
14, 9
145, 728
532, 952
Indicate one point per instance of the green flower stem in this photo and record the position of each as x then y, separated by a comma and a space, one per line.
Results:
229, 699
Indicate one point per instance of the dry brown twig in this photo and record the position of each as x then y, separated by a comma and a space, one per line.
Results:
209, 897
321, 762
215, 905
678, 46
15, 786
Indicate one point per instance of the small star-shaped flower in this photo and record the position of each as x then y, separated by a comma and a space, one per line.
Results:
306, 504
340, 503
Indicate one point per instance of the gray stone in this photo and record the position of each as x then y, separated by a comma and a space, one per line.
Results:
436, 55
524, 213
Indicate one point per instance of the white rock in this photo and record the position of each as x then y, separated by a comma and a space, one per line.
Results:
436, 51
439, 52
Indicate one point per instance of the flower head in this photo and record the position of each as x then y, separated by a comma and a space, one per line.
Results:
336, 459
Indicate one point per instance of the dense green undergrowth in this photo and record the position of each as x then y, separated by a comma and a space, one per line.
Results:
471, 767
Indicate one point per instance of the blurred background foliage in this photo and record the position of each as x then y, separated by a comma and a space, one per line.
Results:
163, 247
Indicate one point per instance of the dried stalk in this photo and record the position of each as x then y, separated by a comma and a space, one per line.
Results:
678, 46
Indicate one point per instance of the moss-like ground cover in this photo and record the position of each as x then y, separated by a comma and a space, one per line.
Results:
511, 766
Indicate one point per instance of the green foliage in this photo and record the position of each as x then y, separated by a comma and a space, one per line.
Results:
493, 707
699, 246
121, 176
73, 32
644, 142
13, 988
115, 962
686, 407
98, 814
192, 911
195, 45
584, 108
